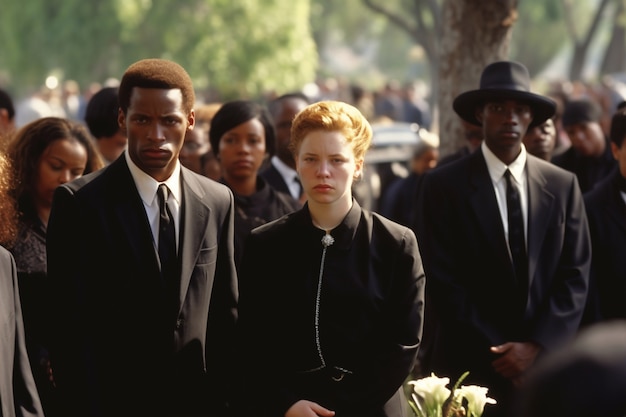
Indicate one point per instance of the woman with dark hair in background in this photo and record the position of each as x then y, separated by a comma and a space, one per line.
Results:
18, 392
242, 137
44, 154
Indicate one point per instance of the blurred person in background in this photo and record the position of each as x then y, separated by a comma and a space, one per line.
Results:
399, 199
415, 108
35, 106
541, 140
242, 135
195, 146
44, 154
362, 99
101, 119
281, 172
209, 165
473, 136
560, 92
589, 156
606, 211
71, 100
388, 103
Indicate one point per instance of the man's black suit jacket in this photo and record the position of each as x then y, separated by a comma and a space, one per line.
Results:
471, 286
122, 346
606, 211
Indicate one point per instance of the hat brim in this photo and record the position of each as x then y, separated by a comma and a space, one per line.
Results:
465, 104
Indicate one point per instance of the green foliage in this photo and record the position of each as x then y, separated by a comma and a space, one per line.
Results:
237, 49
247, 48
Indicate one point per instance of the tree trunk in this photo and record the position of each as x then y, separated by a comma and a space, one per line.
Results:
476, 33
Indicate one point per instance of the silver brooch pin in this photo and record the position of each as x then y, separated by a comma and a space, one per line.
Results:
327, 240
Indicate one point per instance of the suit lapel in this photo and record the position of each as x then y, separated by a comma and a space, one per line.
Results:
194, 226
540, 203
131, 214
485, 207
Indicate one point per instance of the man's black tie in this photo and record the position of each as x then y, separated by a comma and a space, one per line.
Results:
167, 239
517, 243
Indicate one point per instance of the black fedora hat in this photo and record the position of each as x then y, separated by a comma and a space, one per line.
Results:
504, 80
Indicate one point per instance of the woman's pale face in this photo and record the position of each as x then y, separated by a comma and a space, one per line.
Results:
242, 150
327, 167
63, 160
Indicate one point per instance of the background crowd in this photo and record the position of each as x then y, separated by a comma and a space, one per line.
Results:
245, 147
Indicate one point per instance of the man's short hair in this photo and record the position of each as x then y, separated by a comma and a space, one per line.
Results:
275, 103
101, 113
581, 110
156, 73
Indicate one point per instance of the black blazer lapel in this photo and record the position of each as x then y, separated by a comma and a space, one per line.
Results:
128, 207
540, 206
485, 207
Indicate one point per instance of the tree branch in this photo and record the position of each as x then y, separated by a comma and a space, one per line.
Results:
394, 18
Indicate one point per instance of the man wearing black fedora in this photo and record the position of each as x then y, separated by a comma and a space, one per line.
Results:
505, 244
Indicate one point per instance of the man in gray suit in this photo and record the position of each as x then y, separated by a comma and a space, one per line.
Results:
138, 332
18, 392
495, 311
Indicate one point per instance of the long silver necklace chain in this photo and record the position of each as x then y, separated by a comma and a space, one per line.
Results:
327, 240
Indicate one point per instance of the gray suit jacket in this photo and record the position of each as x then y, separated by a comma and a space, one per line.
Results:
18, 393
124, 341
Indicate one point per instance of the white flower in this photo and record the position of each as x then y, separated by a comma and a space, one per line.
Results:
476, 399
431, 398
433, 392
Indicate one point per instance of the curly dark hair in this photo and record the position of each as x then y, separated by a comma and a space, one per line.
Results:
8, 206
30, 142
156, 73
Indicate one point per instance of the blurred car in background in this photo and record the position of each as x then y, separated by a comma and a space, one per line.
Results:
388, 159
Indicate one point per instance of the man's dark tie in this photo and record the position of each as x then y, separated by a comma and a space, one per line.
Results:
167, 239
516, 236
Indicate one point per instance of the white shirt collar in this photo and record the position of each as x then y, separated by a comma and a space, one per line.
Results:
147, 186
497, 168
